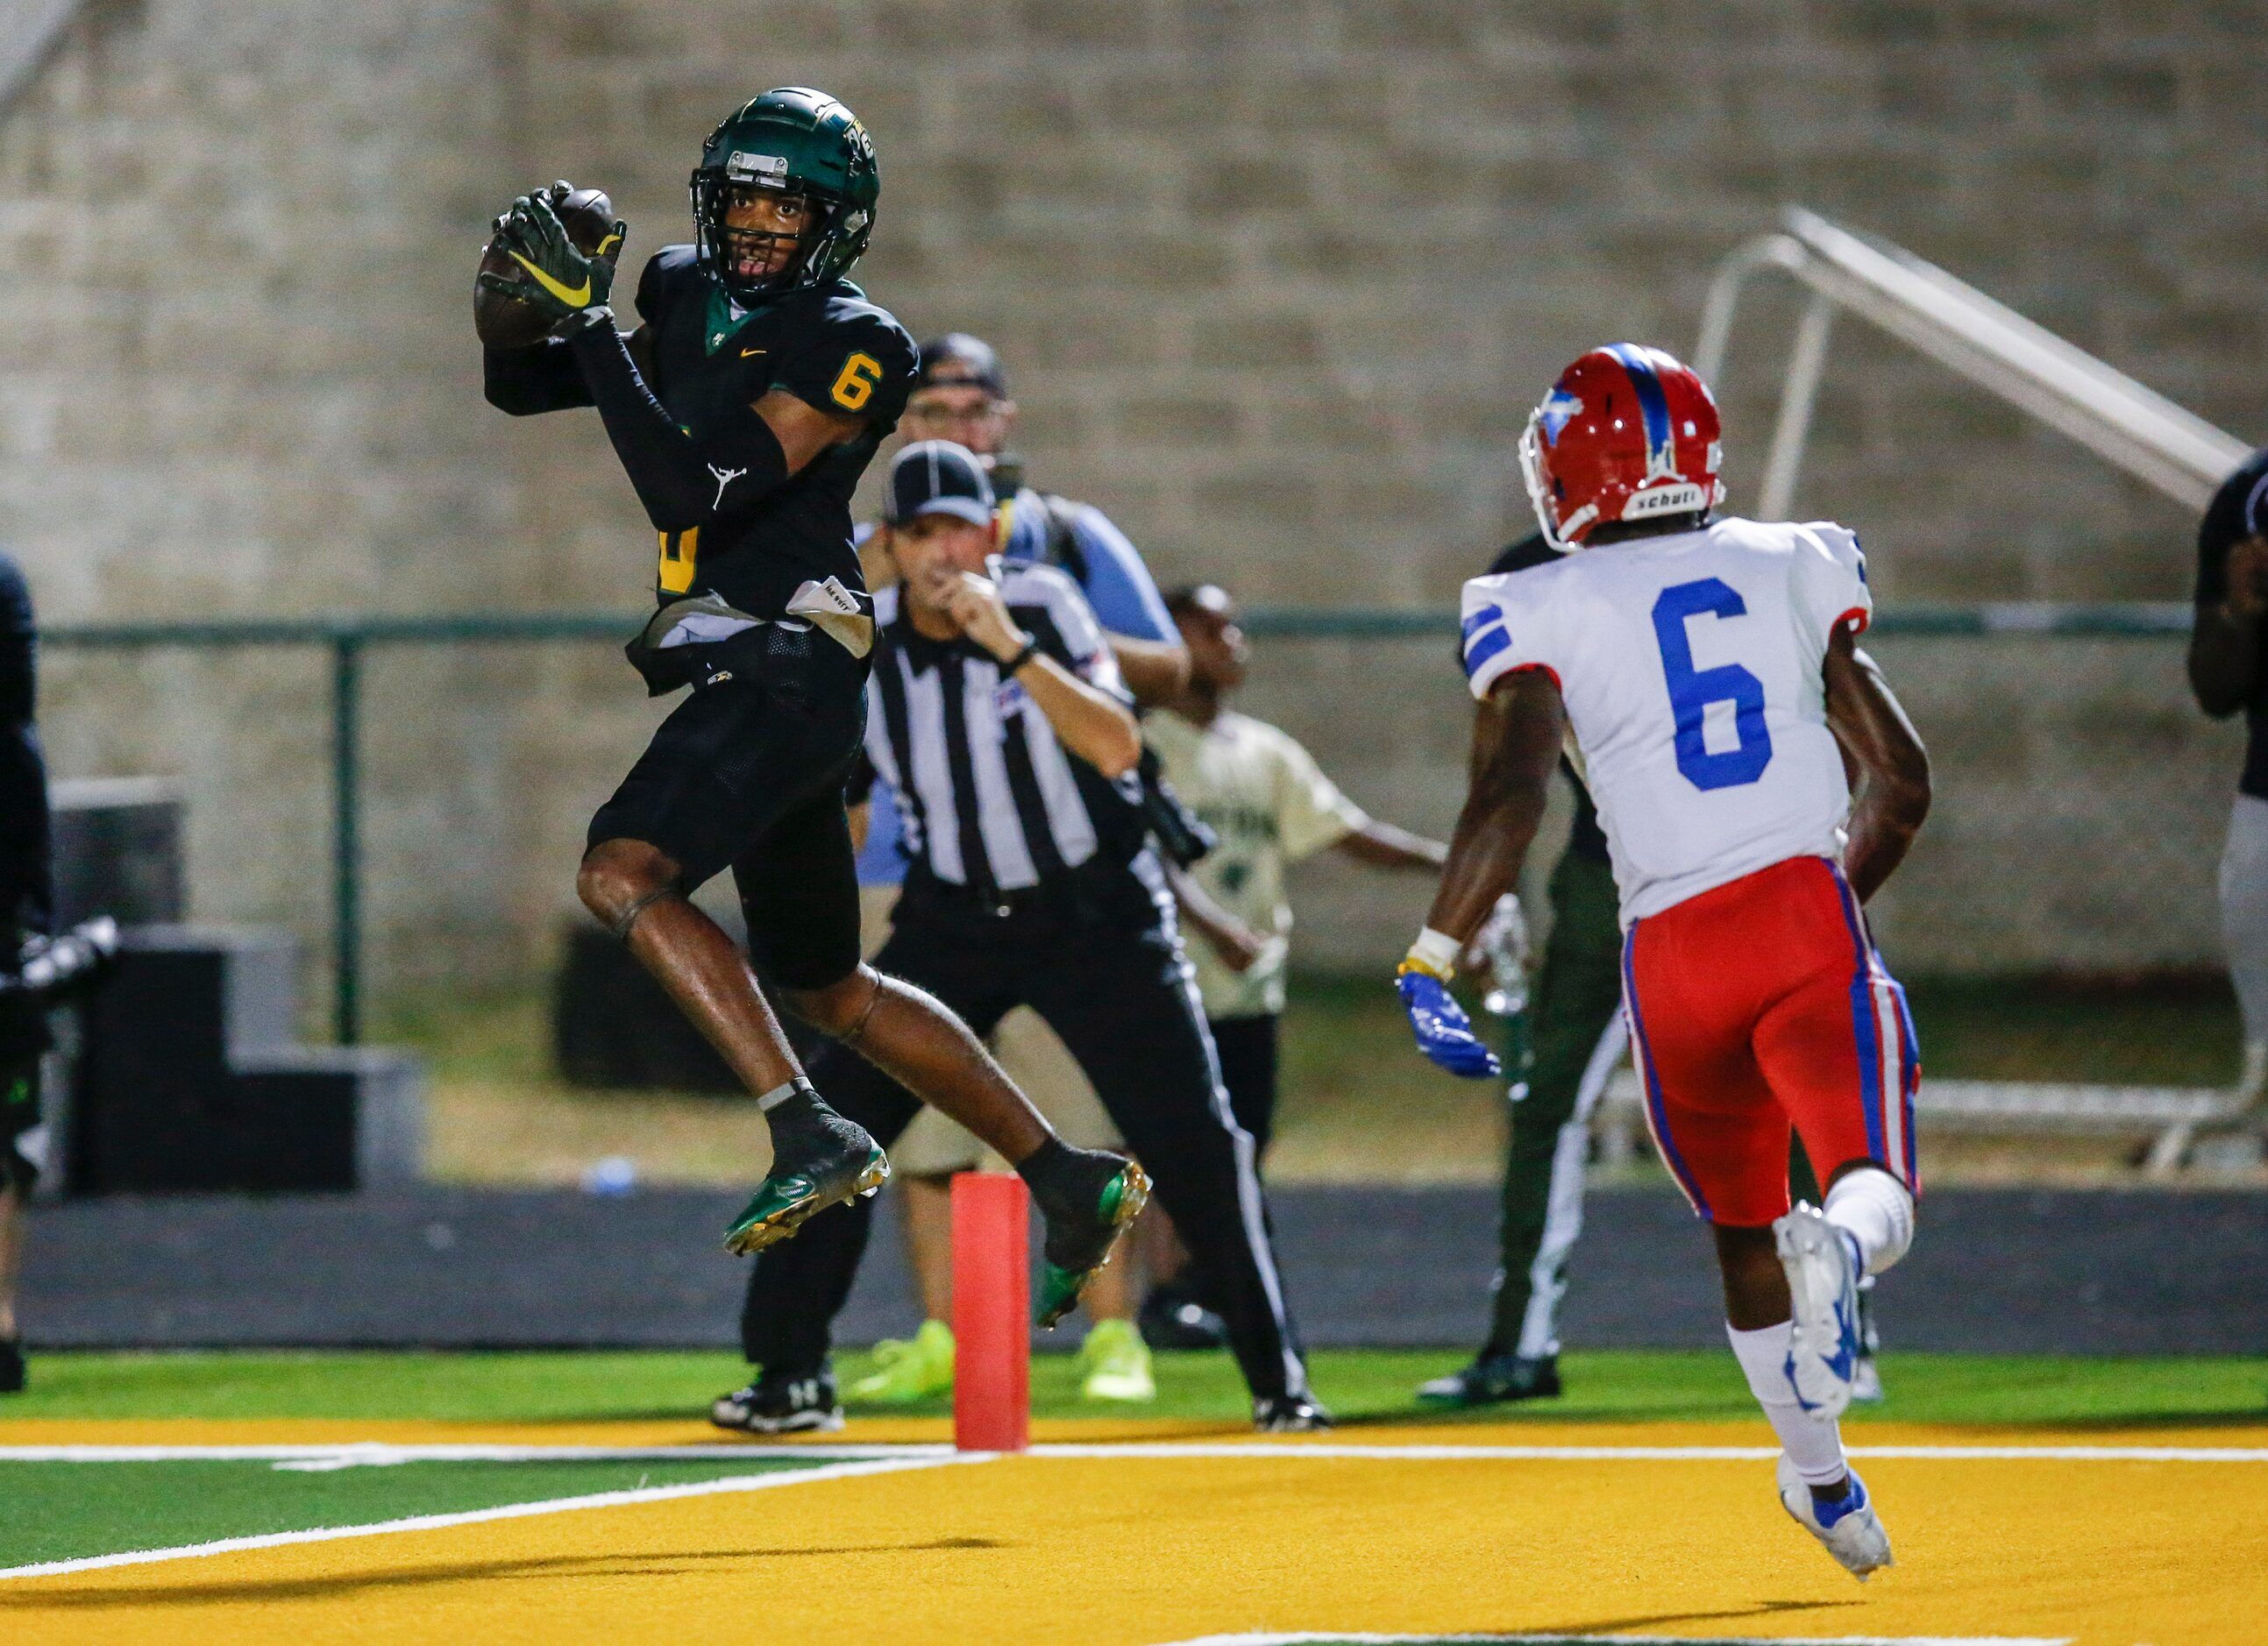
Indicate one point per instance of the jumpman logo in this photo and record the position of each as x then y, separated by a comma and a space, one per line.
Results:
725, 477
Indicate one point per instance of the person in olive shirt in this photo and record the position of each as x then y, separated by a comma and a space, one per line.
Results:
2227, 673
1268, 804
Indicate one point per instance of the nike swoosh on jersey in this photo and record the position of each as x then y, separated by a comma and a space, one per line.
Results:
574, 297
744, 353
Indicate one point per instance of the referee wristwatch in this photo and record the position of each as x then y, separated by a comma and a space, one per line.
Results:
1014, 666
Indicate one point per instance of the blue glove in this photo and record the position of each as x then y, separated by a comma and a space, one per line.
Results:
1444, 1034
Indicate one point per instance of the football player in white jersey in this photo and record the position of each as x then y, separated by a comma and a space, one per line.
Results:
1706, 675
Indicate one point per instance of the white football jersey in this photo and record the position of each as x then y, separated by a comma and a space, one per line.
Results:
1691, 669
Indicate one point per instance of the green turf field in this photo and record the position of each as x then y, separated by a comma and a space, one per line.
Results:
1359, 1384
59, 1511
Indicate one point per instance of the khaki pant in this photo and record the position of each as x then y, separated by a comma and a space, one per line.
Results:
934, 1146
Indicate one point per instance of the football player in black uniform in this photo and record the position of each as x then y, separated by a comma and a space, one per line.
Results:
26, 906
744, 409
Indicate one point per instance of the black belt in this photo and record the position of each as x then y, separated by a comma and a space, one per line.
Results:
1090, 892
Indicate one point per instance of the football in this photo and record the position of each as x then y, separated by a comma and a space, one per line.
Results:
505, 322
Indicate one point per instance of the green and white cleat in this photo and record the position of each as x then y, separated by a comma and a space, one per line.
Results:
907, 1370
1113, 1365
819, 1159
1086, 1218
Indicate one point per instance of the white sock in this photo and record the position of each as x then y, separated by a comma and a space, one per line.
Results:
2252, 1085
1875, 1210
1813, 1444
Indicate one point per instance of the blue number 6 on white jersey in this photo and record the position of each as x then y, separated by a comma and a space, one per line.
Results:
1691, 691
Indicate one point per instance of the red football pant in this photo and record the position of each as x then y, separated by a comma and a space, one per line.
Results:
1760, 1004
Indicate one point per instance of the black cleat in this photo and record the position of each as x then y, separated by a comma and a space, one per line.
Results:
11, 1366
1173, 1318
1290, 1414
819, 1159
1090, 1198
780, 1405
1492, 1379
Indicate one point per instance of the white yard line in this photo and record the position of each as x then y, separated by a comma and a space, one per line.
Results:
1648, 1454
509, 1511
1336, 1637
352, 1454
348, 1454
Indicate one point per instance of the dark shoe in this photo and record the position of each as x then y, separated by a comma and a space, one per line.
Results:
1290, 1414
1492, 1379
1173, 1318
1090, 1198
11, 1366
780, 1405
819, 1159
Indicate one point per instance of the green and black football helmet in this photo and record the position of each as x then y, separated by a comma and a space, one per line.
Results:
796, 141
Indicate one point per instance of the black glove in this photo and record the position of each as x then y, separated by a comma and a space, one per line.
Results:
1182, 835
556, 276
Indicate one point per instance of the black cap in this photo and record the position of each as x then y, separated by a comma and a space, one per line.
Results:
960, 357
938, 477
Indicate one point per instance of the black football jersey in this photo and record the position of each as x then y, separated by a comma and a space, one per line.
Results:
827, 346
2239, 510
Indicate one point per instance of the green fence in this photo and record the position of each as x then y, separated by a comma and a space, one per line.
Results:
348, 640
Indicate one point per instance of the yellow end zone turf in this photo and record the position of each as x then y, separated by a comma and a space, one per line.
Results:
2119, 1538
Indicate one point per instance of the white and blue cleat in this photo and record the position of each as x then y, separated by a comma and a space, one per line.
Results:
1849, 1527
1822, 1284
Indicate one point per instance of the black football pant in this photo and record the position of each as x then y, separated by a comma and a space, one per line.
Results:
1098, 959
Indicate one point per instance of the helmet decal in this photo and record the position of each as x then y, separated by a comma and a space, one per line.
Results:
1558, 406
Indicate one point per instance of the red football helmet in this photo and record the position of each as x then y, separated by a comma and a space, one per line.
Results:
1627, 433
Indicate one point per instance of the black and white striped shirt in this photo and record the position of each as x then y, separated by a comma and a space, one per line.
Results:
989, 799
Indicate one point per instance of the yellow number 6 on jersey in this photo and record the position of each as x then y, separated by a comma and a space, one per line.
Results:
856, 386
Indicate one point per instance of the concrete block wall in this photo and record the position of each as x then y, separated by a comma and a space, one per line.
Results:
1277, 282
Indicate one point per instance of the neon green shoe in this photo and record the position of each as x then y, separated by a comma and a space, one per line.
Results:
1115, 1364
1097, 1203
906, 1370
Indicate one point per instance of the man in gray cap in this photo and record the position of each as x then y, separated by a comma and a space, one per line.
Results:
962, 395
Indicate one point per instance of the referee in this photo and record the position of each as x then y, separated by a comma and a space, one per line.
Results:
998, 717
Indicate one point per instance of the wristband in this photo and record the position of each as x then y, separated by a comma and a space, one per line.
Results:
583, 320
1434, 953
1009, 669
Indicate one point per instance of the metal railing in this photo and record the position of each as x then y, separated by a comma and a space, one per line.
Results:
350, 640
2039, 373
30, 31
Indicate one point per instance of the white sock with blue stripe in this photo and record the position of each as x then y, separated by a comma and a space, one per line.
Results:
1813, 1444
1874, 1210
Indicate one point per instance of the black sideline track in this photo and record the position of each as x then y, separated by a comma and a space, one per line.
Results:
2112, 1272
